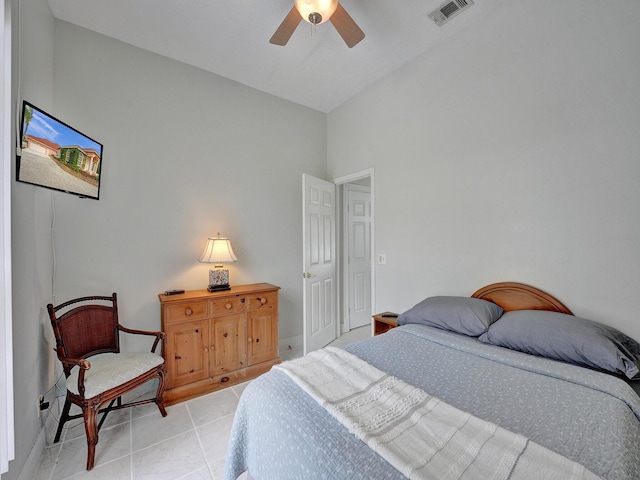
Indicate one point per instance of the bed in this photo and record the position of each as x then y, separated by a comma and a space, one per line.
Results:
570, 400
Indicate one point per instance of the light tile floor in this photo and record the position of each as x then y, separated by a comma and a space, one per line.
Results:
136, 443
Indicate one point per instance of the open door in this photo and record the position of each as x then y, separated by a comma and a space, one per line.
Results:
320, 325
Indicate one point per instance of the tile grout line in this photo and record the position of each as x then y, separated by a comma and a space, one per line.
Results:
131, 444
60, 443
195, 428
55, 462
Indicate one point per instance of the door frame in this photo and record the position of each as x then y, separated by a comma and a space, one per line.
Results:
342, 285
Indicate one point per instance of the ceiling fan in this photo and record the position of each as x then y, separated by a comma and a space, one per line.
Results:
316, 12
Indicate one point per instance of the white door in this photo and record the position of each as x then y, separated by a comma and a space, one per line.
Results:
319, 250
358, 215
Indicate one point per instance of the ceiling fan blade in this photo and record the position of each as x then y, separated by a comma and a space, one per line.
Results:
346, 27
286, 28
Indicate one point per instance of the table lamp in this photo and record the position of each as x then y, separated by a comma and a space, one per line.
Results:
218, 251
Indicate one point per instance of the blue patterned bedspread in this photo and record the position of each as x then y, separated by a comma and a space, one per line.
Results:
279, 432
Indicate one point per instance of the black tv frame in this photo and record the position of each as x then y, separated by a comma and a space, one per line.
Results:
74, 167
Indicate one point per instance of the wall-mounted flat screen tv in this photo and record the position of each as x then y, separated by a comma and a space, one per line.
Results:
57, 156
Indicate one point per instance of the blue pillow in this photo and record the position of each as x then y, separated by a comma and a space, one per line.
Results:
466, 315
567, 338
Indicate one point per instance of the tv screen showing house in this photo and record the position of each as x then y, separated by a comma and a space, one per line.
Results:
57, 156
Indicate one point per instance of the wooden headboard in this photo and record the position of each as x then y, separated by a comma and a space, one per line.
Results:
518, 296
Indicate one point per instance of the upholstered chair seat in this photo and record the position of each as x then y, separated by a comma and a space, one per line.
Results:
110, 370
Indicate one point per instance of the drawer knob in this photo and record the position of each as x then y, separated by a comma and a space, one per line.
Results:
229, 306
206, 349
249, 339
188, 312
263, 300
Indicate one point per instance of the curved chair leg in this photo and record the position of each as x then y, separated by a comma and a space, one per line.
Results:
160, 392
91, 428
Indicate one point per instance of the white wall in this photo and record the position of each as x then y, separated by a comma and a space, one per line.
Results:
186, 154
509, 153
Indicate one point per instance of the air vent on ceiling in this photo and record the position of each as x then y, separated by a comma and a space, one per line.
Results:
448, 10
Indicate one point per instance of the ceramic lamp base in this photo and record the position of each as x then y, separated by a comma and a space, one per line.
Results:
218, 279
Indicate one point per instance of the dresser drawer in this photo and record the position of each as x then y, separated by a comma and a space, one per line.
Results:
228, 305
263, 300
186, 311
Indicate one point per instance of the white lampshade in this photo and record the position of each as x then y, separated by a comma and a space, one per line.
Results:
325, 8
218, 250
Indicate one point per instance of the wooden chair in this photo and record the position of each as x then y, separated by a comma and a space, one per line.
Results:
85, 329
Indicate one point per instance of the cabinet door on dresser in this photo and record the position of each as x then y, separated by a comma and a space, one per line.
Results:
228, 350
185, 355
262, 327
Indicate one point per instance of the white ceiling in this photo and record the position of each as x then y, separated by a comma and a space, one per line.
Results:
231, 38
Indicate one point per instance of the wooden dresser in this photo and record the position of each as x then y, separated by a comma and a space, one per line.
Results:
219, 339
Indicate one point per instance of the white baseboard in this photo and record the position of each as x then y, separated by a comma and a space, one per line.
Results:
291, 343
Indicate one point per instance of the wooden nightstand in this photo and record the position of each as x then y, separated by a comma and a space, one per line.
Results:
383, 322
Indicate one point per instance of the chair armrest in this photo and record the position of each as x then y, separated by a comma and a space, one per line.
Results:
83, 364
159, 335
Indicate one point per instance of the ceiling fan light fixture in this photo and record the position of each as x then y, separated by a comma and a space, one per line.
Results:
316, 11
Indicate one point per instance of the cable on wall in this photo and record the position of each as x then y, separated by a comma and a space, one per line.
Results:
52, 407
18, 81
53, 250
